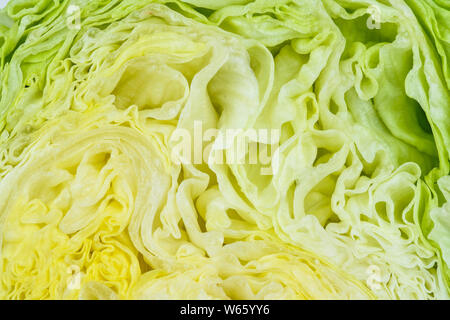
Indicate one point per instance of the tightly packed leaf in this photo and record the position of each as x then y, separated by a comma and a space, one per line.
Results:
97, 200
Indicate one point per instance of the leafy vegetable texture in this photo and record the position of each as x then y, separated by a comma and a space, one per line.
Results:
97, 200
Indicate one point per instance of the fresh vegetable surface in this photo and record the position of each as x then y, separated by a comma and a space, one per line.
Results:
99, 98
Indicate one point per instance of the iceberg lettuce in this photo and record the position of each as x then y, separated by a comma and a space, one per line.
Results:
97, 202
